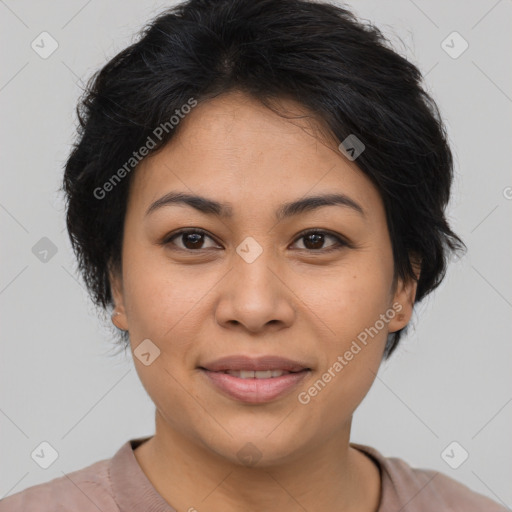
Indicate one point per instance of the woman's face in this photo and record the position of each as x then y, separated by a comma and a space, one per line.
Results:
254, 285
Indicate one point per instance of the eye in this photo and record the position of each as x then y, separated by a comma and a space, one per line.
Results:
314, 239
192, 239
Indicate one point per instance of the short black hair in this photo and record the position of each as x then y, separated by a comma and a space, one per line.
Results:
341, 69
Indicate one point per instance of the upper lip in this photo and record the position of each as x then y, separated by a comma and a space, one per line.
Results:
262, 363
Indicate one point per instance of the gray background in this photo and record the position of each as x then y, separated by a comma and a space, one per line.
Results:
449, 381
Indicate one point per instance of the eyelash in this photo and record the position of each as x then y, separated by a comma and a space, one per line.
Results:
340, 242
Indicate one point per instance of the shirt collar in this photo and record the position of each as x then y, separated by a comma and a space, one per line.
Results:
134, 492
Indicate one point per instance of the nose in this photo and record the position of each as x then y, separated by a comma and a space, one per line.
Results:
254, 296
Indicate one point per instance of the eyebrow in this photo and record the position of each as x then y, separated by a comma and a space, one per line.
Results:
211, 207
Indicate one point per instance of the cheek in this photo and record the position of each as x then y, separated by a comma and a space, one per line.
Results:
352, 306
350, 363
348, 299
160, 303
163, 300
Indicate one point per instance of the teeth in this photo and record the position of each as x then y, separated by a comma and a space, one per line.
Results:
248, 374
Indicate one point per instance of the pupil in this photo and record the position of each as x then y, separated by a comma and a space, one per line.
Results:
196, 238
313, 240
315, 237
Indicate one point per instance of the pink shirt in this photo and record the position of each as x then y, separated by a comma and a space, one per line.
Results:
119, 485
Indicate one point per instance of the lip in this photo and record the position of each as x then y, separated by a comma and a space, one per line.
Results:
261, 363
254, 390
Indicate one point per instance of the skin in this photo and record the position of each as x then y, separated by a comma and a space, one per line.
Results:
295, 300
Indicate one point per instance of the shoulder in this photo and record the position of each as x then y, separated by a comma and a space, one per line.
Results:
454, 495
425, 490
87, 489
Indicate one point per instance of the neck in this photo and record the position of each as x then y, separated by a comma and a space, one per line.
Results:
330, 476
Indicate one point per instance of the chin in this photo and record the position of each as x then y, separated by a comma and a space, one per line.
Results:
261, 449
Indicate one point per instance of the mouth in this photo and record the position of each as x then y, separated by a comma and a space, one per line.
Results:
254, 380
261, 374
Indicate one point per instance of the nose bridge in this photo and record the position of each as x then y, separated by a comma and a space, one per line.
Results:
252, 262
253, 295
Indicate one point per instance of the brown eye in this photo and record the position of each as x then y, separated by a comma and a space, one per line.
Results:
191, 239
315, 239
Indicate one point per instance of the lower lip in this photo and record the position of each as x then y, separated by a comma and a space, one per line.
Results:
255, 391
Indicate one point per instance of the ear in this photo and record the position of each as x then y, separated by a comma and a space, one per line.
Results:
404, 297
116, 287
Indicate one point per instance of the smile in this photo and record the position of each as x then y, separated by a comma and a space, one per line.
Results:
252, 379
248, 374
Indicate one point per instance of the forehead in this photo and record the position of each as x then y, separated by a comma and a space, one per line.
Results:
234, 148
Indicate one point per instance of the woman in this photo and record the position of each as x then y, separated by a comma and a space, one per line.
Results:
258, 192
